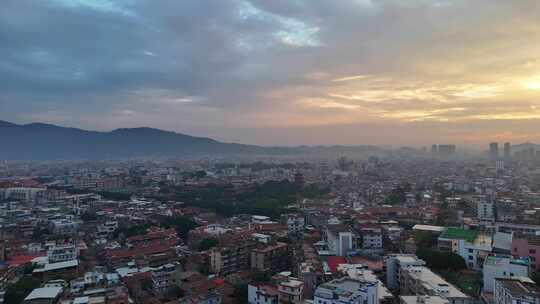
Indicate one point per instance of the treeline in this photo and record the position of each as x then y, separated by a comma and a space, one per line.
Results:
181, 224
269, 199
258, 166
441, 260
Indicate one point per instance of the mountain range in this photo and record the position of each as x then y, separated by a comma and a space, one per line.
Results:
39, 141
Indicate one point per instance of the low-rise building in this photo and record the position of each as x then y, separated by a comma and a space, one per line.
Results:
262, 294
44, 295
516, 291
407, 275
290, 290
503, 267
420, 280
473, 246
347, 291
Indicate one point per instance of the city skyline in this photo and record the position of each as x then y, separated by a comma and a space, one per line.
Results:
278, 72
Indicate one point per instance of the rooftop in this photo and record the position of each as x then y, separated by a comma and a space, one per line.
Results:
431, 280
429, 228
518, 287
59, 265
44, 293
459, 233
423, 300
503, 261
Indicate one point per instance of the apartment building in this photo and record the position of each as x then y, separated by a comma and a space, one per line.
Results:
527, 246
163, 278
407, 275
420, 280
230, 258
62, 253
270, 258
290, 290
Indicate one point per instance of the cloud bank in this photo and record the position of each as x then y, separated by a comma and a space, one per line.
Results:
277, 72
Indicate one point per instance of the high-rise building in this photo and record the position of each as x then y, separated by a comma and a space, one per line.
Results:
507, 151
446, 150
434, 149
493, 151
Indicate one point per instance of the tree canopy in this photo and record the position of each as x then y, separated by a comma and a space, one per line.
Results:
441, 260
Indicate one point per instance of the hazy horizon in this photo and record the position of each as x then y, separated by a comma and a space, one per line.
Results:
278, 73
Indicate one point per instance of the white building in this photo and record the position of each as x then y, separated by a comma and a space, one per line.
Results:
62, 253
420, 280
362, 273
394, 263
338, 239
485, 208
262, 294
347, 290
25, 194
472, 245
503, 267
407, 275
43, 295
295, 223
476, 252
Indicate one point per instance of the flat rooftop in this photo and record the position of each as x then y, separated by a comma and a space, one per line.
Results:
519, 288
423, 300
460, 234
433, 281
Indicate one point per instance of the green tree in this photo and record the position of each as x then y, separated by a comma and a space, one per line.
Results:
425, 239
207, 243
241, 293
441, 260
15, 293
182, 225
535, 276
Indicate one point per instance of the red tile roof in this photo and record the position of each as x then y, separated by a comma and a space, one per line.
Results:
334, 262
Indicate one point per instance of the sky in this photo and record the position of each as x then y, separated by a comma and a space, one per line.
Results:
278, 72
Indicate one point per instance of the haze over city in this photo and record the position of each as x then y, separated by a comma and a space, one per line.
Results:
269, 152
278, 72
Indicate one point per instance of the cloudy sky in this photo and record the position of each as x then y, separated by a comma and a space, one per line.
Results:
277, 72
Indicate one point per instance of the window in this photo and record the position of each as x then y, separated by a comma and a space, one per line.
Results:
532, 251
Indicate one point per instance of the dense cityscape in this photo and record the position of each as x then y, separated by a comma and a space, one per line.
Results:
429, 228
269, 152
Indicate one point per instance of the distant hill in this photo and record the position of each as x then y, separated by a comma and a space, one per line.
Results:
38, 141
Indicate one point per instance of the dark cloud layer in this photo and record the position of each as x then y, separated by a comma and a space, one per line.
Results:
275, 72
